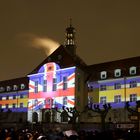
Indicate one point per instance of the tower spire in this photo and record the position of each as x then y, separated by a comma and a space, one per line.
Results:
70, 38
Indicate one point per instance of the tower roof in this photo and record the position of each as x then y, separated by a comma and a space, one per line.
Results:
64, 58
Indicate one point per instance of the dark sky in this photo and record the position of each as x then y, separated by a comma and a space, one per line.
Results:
106, 30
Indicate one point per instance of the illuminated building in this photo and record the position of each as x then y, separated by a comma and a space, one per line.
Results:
116, 83
63, 79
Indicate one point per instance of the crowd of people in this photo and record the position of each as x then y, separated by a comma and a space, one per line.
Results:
58, 134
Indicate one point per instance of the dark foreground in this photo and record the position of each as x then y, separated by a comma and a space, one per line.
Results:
57, 134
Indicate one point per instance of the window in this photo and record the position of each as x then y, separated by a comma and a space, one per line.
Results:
133, 97
65, 101
132, 70
78, 83
48, 101
103, 100
36, 102
22, 86
14, 105
54, 84
117, 86
6, 106
102, 87
8, 88
117, 72
45, 86
36, 87
7, 97
90, 89
45, 102
64, 83
90, 99
15, 87
21, 96
103, 75
21, 105
14, 96
49, 68
2, 89
133, 84
117, 98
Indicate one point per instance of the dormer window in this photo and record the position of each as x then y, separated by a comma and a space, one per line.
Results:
117, 72
15, 87
132, 70
103, 75
8, 88
2, 89
22, 86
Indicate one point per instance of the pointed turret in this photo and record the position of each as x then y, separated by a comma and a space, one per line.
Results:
70, 39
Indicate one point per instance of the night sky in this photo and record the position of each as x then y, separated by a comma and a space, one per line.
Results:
106, 30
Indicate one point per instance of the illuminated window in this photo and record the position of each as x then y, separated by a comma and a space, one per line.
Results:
117, 98
65, 101
117, 72
102, 87
45, 86
8, 88
54, 84
117, 86
103, 100
103, 75
2, 89
36, 87
15, 87
132, 70
14, 105
133, 97
22, 86
21, 105
133, 84
64, 83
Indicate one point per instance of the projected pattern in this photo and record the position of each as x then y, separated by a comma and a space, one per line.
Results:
115, 91
51, 87
14, 101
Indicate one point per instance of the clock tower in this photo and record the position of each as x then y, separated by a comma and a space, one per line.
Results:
70, 39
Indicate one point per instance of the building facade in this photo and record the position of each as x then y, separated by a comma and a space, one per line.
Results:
64, 80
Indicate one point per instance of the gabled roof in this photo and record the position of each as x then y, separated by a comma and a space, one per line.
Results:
63, 58
123, 64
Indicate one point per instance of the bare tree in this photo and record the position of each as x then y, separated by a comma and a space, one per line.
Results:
102, 111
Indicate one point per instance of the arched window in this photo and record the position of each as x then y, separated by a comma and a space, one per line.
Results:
47, 117
35, 117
